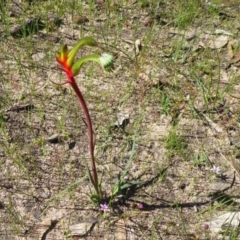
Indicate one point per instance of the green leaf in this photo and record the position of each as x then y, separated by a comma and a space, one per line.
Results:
95, 198
127, 185
115, 190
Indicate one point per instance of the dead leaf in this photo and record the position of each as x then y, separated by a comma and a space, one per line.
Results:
138, 46
182, 106
223, 32
224, 77
55, 138
81, 229
229, 219
189, 35
122, 119
236, 57
218, 42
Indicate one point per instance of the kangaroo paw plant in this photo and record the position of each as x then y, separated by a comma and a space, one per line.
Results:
71, 68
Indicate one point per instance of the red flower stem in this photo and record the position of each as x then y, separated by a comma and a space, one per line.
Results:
83, 104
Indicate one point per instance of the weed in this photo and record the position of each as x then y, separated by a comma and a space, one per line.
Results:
200, 159
175, 144
187, 11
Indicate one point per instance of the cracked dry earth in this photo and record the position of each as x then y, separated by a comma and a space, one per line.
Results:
182, 81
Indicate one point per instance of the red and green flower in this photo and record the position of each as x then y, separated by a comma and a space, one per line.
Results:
71, 68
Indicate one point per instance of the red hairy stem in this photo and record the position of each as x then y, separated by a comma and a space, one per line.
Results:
83, 104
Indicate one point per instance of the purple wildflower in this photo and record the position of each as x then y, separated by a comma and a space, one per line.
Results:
216, 170
140, 206
206, 226
104, 207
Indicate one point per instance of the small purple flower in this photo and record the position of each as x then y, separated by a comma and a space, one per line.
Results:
216, 170
104, 207
206, 226
140, 206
